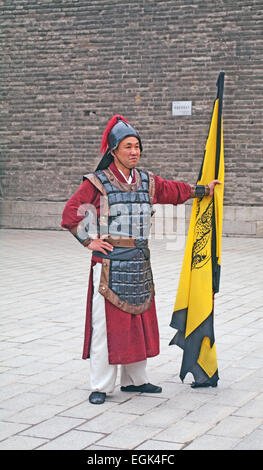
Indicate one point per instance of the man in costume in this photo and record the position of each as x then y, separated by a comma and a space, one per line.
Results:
110, 214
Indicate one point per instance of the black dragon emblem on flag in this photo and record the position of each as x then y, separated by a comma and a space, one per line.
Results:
203, 230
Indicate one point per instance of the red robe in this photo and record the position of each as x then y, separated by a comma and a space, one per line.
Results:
131, 338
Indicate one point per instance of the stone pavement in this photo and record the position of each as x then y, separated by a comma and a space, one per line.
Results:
45, 383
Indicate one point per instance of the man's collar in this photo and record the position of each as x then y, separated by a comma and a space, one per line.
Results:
119, 175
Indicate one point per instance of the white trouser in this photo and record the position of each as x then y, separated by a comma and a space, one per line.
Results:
102, 374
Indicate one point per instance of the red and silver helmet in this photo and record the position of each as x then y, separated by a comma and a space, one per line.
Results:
117, 129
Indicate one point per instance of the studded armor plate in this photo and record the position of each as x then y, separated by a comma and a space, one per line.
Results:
130, 275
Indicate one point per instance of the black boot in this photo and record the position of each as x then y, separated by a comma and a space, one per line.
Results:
203, 384
97, 398
145, 388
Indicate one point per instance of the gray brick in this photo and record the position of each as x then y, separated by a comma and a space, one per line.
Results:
128, 436
209, 442
53, 427
72, 440
254, 441
236, 426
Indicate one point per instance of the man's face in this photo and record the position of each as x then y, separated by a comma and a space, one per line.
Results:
127, 153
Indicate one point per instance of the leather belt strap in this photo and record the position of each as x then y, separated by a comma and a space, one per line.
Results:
122, 242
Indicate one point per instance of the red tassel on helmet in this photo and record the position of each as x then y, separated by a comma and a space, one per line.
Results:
111, 123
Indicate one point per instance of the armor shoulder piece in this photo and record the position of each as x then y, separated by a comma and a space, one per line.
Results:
150, 177
92, 177
151, 186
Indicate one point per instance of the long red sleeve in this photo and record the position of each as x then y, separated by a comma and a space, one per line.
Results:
72, 213
170, 192
166, 192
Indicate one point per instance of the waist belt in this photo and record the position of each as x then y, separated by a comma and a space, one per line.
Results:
127, 242
126, 276
121, 242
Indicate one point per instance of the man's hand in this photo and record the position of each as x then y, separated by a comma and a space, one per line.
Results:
98, 244
212, 186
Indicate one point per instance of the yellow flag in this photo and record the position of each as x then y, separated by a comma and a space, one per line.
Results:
199, 280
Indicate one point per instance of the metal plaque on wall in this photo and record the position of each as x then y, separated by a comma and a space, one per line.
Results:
181, 108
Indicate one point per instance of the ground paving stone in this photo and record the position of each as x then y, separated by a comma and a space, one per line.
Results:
45, 383
107, 422
21, 443
209, 442
236, 426
73, 440
53, 427
152, 444
129, 436
183, 431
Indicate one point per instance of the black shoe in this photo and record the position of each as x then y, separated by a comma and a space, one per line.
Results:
145, 388
97, 398
204, 384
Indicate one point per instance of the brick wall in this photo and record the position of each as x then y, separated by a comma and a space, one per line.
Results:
67, 66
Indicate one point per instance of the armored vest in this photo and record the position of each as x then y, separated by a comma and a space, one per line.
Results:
126, 279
